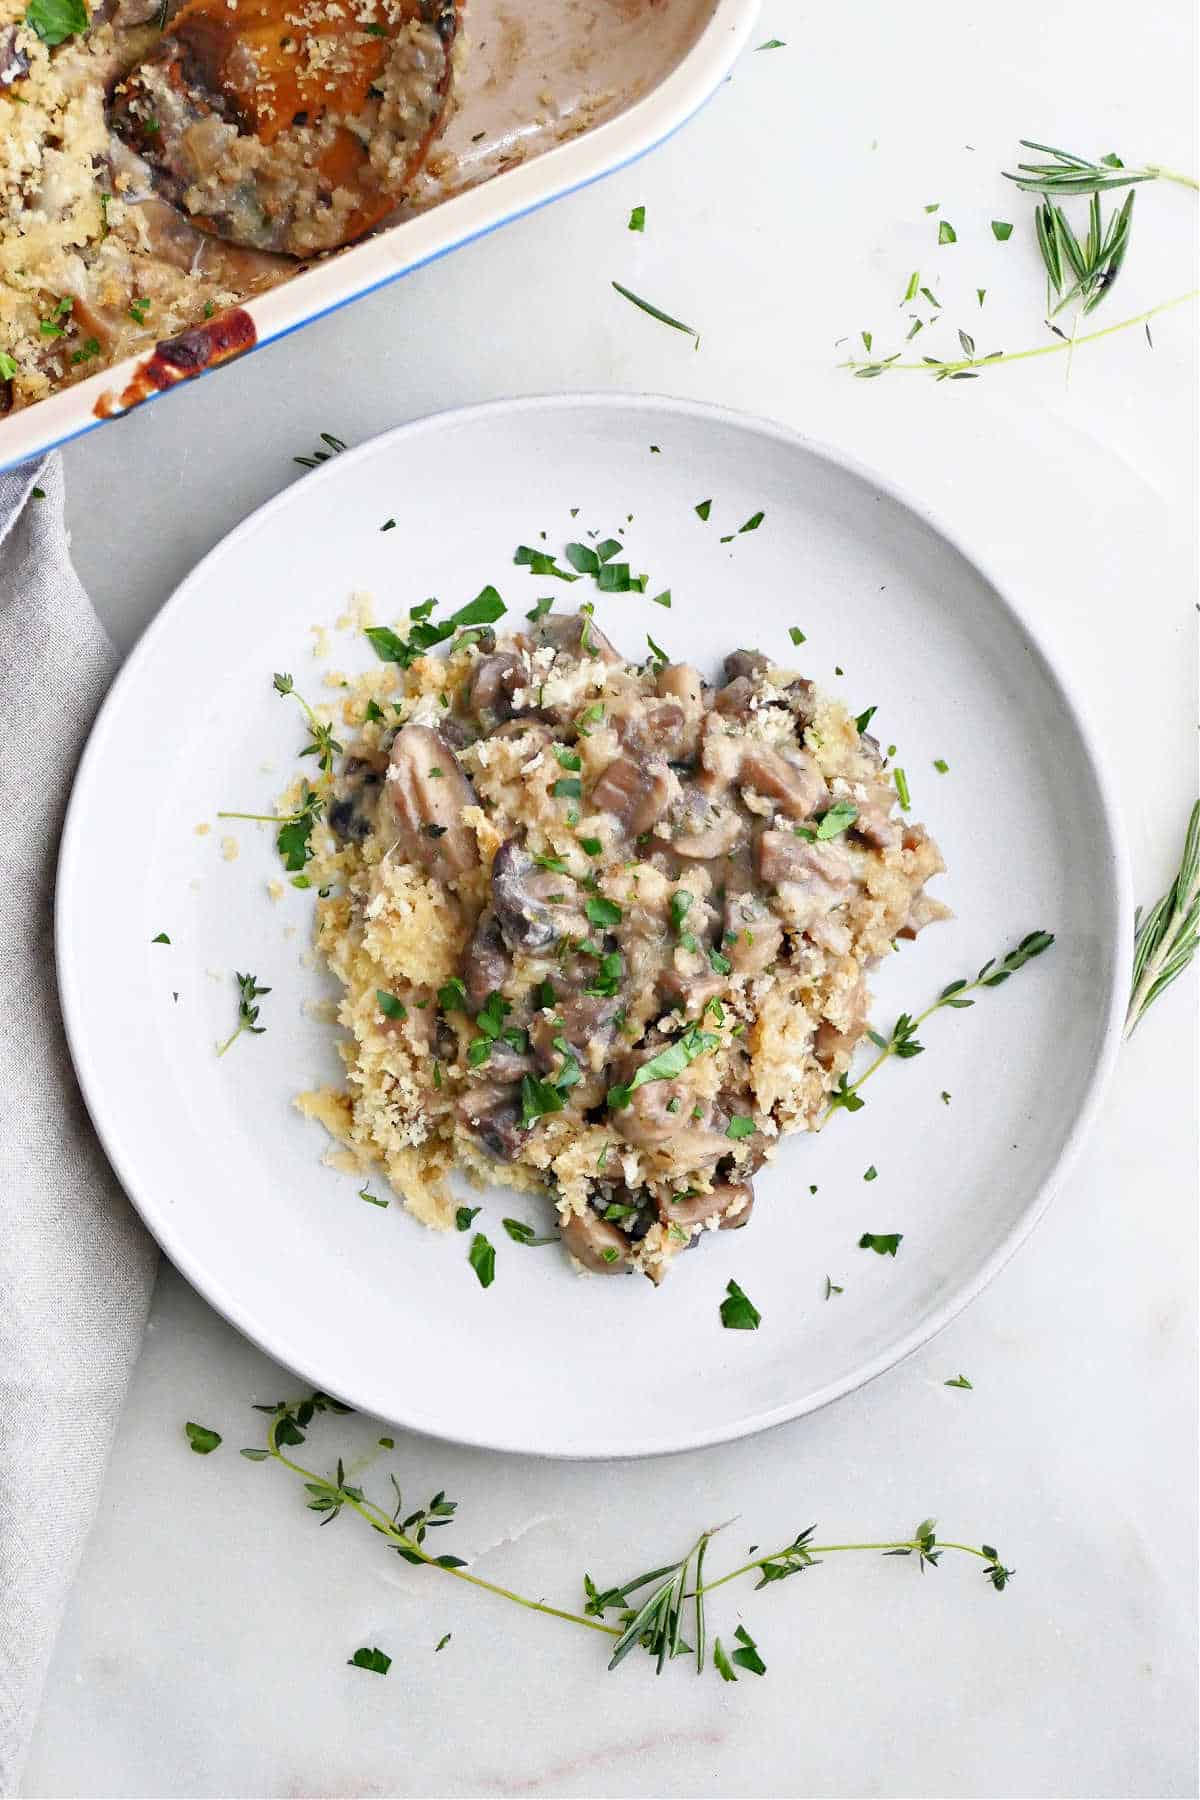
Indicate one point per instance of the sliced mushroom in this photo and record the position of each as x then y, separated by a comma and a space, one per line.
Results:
427, 791
14, 64
688, 993
493, 683
801, 699
535, 907
733, 700
809, 879
740, 664
752, 934
595, 1244
584, 1021
794, 783
703, 827
577, 633
351, 814
681, 683
487, 963
731, 1203
650, 1123
492, 1115
874, 824
635, 790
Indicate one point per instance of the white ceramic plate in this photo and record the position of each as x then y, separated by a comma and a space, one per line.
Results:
368, 1304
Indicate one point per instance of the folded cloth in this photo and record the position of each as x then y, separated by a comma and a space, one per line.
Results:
76, 1268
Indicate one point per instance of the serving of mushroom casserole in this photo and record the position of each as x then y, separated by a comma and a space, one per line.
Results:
603, 928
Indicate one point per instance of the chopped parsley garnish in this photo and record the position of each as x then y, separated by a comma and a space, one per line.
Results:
773, 44
740, 1127
463, 1216
946, 232
666, 1065
555, 864
540, 608
657, 652
796, 635
864, 719
202, 1440
539, 563
374, 713
637, 219
138, 310
364, 1193
703, 509
752, 523
942, 767
491, 1015
606, 982
570, 788
960, 1381
840, 816
484, 609
482, 1258
442, 1642
388, 525
89, 348
663, 599
538, 1098
520, 1233
1001, 229
376, 1660
738, 1311
162, 938
720, 965
872, 1174
603, 913
592, 845
56, 20
389, 1006
567, 758
883, 1243
453, 996
680, 901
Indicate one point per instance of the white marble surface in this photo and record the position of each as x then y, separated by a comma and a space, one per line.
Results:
205, 1647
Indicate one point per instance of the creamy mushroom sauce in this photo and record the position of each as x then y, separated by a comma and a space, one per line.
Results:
604, 929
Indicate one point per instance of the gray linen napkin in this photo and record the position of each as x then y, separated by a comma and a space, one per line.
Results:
76, 1268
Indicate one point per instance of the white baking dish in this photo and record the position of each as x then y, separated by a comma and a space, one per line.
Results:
554, 94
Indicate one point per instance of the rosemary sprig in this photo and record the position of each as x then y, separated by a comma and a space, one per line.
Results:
1068, 174
248, 993
970, 367
903, 1042
651, 1620
1095, 263
1167, 937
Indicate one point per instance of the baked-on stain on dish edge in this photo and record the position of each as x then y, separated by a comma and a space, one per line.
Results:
202, 347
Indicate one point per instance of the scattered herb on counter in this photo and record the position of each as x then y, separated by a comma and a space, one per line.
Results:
872, 1174
864, 719
482, 1258
463, 1216
903, 1040
334, 447
832, 1288
796, 635
1002, 230
637, 219
1166, 939
388, 525
656, 313
652, 1610
942, 767
902, 793
1068, 174
248, 992
540, 562
772, 44
442, 1642
752, 523
946, 232
162, 938
738, 1311
364, 1193
884, 1243
703, 509
663, 599
960, 1381
202, 1440
377, 1661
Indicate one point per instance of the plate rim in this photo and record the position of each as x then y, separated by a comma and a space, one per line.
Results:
212, 1289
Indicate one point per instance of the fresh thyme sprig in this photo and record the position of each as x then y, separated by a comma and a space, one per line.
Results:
1068, 174
970, 367
322, 744
903, 1043
248, 993
1167, 937
655, 1621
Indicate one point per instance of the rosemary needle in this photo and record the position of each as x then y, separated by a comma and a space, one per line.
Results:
656, 313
